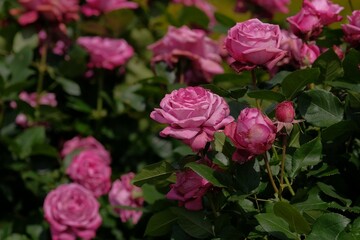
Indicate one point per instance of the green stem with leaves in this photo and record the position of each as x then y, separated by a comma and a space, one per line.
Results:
267, 165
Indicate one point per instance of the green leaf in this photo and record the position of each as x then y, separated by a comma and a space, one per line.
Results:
151, 194
27, 37
313, 202
320, 108
217, 90
193, 15
19, 65
267, 95
28, 139
338, 130
329, 65
128, 95
70, 87
331, 192
344, 85
205, 172
279, 78
324, 171
354, 99
275, 226
237, 79
328, 226
296, 81
351, 66
160, 223
292, 216
224, 20
309, 154
194, 223
152, 173
247, 177
353, 231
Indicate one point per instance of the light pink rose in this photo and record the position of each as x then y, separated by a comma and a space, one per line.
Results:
189, 189
89, 170
203, 5
181, 44
305, 24
327, 11
106, 53
87, 143
193, 114
285, 112
123, 193
72, 211
253, 133
58, 11
263, 8
96, 7
352, 29
253, 43
309, 53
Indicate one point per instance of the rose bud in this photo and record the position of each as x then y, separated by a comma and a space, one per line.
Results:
285, 112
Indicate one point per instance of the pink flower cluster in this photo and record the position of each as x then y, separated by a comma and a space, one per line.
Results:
193, 115
352, 29
197, 54
203, 5
124, 193
106, 53
96, 7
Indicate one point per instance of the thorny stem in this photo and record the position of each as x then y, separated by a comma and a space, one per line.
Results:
270, 174
283, 158
254, 81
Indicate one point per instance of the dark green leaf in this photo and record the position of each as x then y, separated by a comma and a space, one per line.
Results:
328, 226
70, 87
152, 173
19, 65
320, 108
313, 202
296, 81
344, 85
193, 15
247, 177
160, 223
27, 37
206, 172
267, 95
275, 226
351, 66
237, 79
279, 78
354, 99
28, 139
329, 65
224, 20
217, 90
238, 93
330, 191
353, 231
292, 216
324, 171
151, 194
338, 130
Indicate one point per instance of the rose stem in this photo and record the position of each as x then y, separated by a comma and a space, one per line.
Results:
270, 174
254, 81
40, 83
289, 186
99, 102
351, 5
283, 158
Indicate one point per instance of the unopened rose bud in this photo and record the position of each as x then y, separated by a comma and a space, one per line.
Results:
285, 112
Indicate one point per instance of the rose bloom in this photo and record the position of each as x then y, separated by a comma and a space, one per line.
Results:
59, 11
183, 44
96, 7
72, 211
309, 53
106, 53
90, 143
123, 193
189, 189
263, 8
193, 114
253, 133
305, 24
285, 112
352, 29
327, 11
292, 44
89, 170
203, 5
253, 43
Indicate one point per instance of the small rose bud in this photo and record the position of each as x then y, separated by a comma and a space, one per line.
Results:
285, 112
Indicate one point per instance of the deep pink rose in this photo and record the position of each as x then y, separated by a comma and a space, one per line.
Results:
193, 114
263, 8
89, 170
305, 24
123, 193
253, 43
285, 112
253, 133
203, 5
352, 29
72, 211
292, 44
309, 53
96, 7
58, 11
106, 53
189, 189
183, 44
327, 11
87, 143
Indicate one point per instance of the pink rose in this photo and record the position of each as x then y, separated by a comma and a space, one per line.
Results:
96, 7
106, 53
253, 133
72, 211
180, 44
309, 53
89, 170
325, 10
292, 44
305, 24
49, 10
88, 143
253, 43
263, 8
352, 29
203, 5
285, 112
193, 114
123, 193
189, 189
